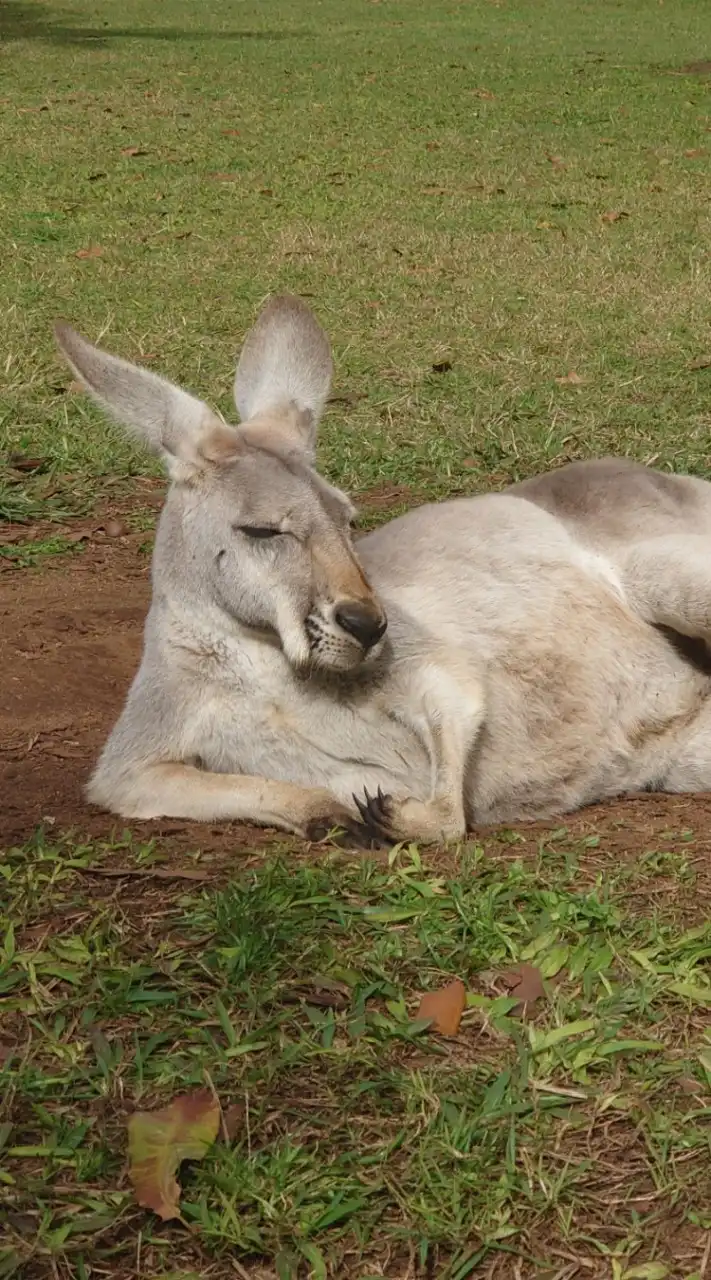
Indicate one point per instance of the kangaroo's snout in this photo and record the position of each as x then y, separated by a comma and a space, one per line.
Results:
361, 620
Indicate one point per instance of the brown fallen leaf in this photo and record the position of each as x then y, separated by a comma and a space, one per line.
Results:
95, 251
114, 528
693, 152
19, 462
614, 215
703, 362
230, 133
483, 93
233, 1120
445, 1007
687, 1084
525, 983
159, 1141
571, 379
133, 151
324, 993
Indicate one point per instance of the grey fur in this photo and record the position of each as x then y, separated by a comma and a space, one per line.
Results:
519, 675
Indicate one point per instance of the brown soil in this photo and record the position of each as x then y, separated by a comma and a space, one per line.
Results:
70, 641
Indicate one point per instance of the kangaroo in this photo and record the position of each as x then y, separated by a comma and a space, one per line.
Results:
476, 660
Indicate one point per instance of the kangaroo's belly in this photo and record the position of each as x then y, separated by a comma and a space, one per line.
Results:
577, 722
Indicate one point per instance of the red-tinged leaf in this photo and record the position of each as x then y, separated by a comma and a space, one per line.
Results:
571, 379
134, 151
95, 251
525, 984
158, 1142
614, 215
445, 1007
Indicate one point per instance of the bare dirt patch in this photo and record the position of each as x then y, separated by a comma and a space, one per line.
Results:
70, 642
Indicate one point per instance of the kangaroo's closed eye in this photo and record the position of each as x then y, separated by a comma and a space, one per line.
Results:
257, 531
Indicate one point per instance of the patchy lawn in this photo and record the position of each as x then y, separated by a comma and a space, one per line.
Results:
500, 212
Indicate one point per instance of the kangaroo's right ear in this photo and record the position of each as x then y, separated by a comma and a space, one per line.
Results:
181, 429
285, 370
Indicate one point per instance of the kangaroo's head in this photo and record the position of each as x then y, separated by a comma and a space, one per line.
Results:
254, 522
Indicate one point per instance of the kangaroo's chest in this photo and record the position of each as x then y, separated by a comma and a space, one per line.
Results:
258, 722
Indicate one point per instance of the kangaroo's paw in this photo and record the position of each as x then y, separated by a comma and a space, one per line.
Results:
345, 830
427, 822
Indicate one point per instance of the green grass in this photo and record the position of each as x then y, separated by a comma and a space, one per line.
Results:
291, 989
392, 160
435, 177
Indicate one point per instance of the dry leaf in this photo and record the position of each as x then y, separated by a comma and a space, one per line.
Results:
158, 1142
19, 462
614, 215
94, 252
434, 191
114, 528
703, 362
230, 133
232, 1120
693, 152
133, 151
525, 983
483, 93
571, 379
445, 1007
687, 1084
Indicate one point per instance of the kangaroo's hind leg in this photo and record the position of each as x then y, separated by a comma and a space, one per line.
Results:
668, 582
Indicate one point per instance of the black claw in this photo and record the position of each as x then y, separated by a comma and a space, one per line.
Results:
355, 834
376, 812
362, 808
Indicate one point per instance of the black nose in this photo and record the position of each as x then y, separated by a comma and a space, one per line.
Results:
362, 622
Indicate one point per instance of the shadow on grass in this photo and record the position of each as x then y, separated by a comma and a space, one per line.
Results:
37, 22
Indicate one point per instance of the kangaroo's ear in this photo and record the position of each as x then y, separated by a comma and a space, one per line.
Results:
172, 423
284, 373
